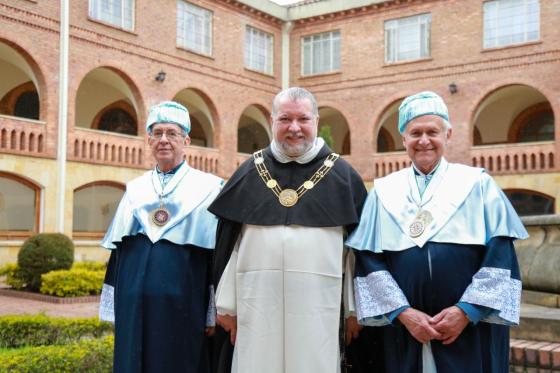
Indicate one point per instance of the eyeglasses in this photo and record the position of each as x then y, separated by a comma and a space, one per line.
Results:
171, 135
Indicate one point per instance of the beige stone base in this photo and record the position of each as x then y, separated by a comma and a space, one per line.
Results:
89, 251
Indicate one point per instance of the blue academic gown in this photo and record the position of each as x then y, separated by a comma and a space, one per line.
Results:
464, 257
157, 288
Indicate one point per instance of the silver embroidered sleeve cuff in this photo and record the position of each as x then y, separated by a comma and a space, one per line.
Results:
211, 313
377, 295
107, 304
494, 288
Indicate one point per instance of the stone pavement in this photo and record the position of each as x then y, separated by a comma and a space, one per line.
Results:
18, 306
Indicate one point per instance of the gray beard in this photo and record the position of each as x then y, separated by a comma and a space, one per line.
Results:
295, 150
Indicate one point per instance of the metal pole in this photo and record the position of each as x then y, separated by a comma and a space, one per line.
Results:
62, 114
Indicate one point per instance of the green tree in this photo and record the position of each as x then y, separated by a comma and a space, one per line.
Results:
325, 133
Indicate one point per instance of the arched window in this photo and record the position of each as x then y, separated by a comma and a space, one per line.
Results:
385, 142
22, 101
118, 117
533, 124
197, 135
528, 202
19, 207
94, 207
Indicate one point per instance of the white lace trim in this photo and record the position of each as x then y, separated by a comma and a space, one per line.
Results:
211, 313
494, 288
376, 295
107, 304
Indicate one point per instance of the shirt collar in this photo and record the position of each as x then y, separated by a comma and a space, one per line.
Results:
417, 172
170, 172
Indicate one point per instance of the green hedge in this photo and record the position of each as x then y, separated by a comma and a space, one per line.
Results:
12, 277
72, 283
37, 330
90, 266
91, 355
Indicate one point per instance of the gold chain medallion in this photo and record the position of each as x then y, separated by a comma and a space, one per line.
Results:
289, 197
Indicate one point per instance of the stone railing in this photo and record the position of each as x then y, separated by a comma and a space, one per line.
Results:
515, 158
385, 163
22, 136
204, 159
106, 148
539, 255
240, 158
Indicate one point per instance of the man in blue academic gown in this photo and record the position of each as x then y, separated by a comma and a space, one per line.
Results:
435, 259
157, 288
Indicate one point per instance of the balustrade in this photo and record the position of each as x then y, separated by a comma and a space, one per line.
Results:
22, 136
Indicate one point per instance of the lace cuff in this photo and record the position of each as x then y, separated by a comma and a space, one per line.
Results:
377, 294
494, 288
211, 313
107, 304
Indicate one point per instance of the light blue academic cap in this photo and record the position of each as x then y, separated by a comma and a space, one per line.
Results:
423, 103
169, 112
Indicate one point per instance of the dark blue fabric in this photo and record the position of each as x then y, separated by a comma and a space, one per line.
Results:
161, 299
481, 348
474, 312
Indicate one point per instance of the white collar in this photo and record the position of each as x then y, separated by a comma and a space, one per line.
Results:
302, 159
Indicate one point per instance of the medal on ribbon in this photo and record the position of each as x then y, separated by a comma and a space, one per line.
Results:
160, 216
422, 219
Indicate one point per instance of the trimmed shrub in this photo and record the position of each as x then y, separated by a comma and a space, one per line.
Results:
72, 283
38, 330
43, 253
93, 356
90, 266
326, 134
13, 276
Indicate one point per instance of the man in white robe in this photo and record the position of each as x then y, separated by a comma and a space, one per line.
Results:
280, 252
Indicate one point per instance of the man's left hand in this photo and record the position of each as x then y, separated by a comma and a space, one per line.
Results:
450, 322
210, 330
352, 329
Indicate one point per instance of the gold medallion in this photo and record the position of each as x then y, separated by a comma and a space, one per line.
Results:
288, 197
308, 184
160, 216
271, 183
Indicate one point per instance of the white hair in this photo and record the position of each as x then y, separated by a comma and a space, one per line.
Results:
295, 94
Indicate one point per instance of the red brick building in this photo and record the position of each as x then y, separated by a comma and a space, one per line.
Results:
494, 62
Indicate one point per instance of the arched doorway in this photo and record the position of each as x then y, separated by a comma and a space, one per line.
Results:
253, 130
388, 138
333, 122
19, 94
105, 102
200, 111
513, 114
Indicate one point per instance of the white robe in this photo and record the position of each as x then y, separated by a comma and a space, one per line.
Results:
284, 283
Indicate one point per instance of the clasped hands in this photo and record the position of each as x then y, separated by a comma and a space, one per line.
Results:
446, 326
